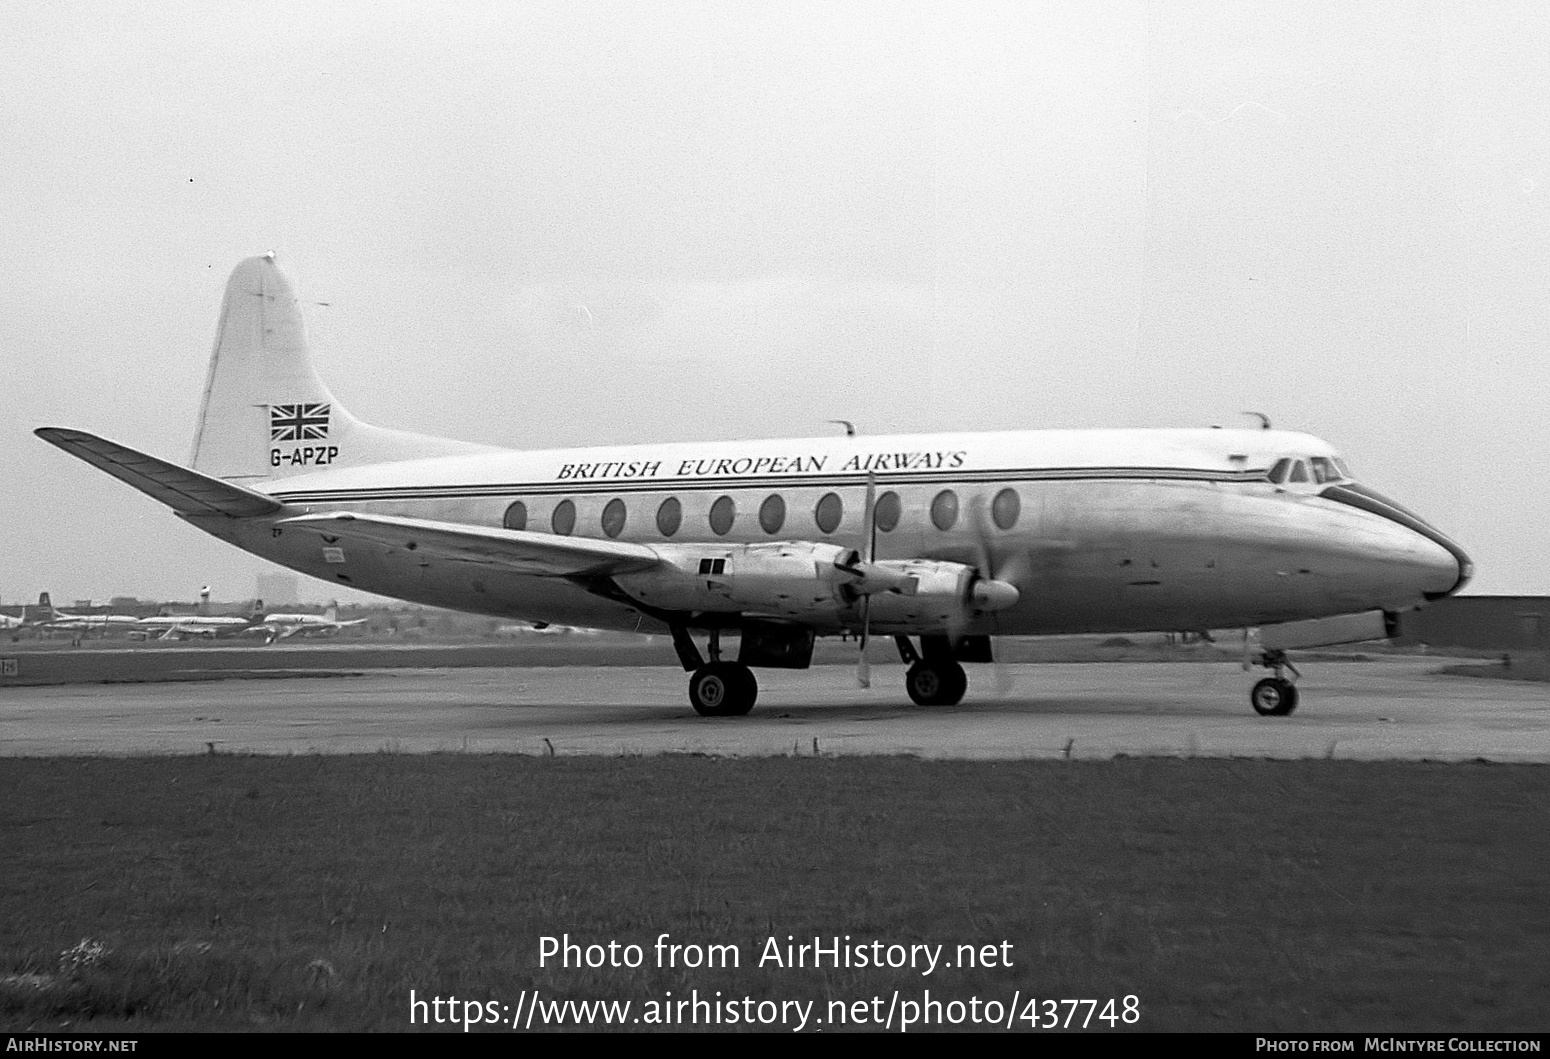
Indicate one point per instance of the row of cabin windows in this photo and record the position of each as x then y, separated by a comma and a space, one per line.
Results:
827, 513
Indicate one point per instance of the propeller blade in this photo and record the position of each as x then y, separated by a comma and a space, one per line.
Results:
869, 517
1003, 677
869, 527
864, 667
990, 592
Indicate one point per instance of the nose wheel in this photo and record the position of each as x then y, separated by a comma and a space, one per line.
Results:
1275, 696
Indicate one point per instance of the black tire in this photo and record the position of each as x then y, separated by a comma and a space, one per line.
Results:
723, 689
936, 683
747, 689
1273, 697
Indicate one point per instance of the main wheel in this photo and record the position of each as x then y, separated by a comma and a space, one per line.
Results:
1274, 697
723, 689
936, 683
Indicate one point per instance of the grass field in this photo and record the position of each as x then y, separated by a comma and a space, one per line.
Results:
316, 892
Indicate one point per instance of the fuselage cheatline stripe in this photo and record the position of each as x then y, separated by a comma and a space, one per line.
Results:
580, 487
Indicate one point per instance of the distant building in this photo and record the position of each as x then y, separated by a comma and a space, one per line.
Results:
279, 590
1481, 623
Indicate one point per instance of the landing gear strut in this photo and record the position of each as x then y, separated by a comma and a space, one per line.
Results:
1275, 696
716, 688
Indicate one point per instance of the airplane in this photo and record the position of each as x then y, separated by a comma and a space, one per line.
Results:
202, 625
544, 628
942, 541
283, 626
50, 619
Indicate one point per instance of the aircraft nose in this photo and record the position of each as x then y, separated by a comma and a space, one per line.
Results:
1444, 569
1441, 565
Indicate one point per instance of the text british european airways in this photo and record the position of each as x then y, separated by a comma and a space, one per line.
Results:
742, 466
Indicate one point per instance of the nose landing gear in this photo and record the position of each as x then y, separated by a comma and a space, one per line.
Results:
1275, 696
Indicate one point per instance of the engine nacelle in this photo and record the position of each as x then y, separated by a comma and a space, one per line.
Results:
947, 595
791, 579
820, 584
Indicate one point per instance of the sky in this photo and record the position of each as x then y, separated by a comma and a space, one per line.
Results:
571, 223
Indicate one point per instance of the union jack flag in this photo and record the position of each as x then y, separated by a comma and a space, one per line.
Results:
298, 422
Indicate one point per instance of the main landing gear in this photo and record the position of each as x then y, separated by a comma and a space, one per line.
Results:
935, 679
716, 688
936, 683
723, 689
1275, 696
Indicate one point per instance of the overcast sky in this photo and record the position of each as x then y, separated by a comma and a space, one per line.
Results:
546, 224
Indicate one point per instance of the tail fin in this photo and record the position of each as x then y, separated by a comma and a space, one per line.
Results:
266, 414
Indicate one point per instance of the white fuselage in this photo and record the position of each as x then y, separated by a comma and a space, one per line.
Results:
171, 625
1100, 530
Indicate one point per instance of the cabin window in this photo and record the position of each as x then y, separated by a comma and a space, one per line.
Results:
886, 513
1279, 471
722, 513
669, 516
1005, 508
1299, 472
944, 510
828, 512
564, 518
614, 515
516, 516
772, 513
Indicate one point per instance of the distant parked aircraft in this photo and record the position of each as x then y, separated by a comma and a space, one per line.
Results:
283, 626
46, 618
197, 626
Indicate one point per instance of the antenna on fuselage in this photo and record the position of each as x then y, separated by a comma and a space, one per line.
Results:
1264, 420
850, 428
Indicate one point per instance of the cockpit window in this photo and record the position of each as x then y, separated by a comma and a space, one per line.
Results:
1324, 470
1299, 472
1343, 467
1278, 472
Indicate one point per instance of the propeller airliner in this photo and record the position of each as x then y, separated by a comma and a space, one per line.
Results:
942, 541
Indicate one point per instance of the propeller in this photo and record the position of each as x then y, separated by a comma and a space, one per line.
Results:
869, 528
987, 590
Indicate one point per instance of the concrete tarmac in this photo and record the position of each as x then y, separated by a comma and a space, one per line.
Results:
1381, 709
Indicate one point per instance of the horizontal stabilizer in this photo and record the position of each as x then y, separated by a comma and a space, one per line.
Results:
186, 492
543, 554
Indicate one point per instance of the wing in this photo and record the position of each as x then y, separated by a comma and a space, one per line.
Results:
541, 554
